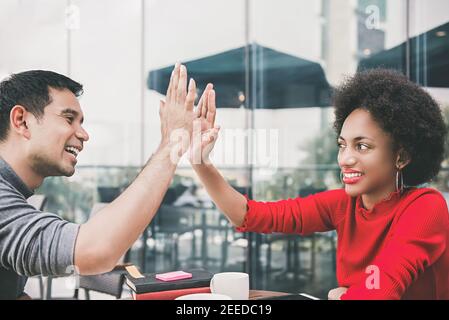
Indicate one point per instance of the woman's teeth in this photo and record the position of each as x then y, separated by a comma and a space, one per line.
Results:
352, 175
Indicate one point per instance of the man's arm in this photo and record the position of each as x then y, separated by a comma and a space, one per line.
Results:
104, 238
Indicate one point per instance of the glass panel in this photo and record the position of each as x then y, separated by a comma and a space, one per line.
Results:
274, 67
211, 43
325, 41
429, 43
105, 56
429, 28
33, 35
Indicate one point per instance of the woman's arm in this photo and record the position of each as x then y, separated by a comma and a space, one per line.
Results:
205, 134
301, 215
227, 199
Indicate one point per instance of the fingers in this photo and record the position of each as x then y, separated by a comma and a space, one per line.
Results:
214, 133
190, 99
331, 294
211, 135
161, 107
168, 94
211, 108
182, 85
172, 87
336, 293
203, 98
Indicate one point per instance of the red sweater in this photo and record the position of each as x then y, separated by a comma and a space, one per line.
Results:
397, 250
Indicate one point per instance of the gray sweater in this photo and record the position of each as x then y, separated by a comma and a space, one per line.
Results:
31, 242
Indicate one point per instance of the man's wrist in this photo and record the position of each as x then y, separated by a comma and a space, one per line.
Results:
168, 151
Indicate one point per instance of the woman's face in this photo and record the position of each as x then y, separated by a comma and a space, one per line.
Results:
366, 156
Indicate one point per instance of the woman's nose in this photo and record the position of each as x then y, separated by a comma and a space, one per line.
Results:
346, 159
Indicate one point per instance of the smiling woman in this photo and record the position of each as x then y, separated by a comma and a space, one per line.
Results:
403, 113
391, 137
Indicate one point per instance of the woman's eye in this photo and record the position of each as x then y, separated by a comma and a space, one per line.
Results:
362, 146
339, 145
69, 119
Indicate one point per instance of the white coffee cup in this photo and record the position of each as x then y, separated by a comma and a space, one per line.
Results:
203, 296
232, 284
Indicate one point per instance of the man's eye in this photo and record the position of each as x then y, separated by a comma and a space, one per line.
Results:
69, 119
340, 145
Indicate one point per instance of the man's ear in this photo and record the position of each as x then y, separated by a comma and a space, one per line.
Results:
18, 121
402, 159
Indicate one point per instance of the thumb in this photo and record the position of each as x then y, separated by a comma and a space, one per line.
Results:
214, 133
161, 107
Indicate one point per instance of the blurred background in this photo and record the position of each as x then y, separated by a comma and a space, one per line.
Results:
273, 63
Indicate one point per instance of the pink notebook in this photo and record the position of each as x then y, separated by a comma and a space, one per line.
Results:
172, 276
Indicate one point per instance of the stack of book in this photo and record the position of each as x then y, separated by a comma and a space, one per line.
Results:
147, 287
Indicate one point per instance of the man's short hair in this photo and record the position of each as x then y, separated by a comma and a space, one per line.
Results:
30, 89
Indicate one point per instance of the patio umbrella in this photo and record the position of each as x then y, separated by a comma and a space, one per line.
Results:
276, 79
429, 58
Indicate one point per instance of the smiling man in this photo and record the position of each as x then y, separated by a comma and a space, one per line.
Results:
41, 135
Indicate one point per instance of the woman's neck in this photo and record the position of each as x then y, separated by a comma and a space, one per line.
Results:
369, 200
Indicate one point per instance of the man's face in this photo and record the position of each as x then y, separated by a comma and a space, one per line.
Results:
58, 136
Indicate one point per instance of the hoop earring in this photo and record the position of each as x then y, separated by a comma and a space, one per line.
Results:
399, 182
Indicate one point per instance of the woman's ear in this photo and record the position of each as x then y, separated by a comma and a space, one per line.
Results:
402, 159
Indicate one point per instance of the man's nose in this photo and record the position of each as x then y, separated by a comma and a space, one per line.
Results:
82, 134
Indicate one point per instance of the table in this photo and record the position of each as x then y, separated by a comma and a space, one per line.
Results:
258, 294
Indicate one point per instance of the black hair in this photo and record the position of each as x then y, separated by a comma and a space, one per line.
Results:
403, 110
30, 89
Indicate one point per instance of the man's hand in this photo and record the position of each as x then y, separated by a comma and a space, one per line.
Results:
106, 236
176, 112
205, 133
336, 293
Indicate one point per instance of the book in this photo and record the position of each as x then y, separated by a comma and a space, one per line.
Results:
291, 296
169, 294
148, 282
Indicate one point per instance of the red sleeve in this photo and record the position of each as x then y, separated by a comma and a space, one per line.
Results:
314, 213
418, 241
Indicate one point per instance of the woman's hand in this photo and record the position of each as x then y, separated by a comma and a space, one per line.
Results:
205, 133
336, 293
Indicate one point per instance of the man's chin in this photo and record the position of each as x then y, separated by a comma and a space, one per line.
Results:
61, 173
47, 168
69, 172
65, 171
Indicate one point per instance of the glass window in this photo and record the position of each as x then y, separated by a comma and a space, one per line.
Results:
274, 67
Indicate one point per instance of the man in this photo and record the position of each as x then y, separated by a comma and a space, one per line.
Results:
41, 135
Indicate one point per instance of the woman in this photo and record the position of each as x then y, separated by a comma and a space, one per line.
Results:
392, 235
